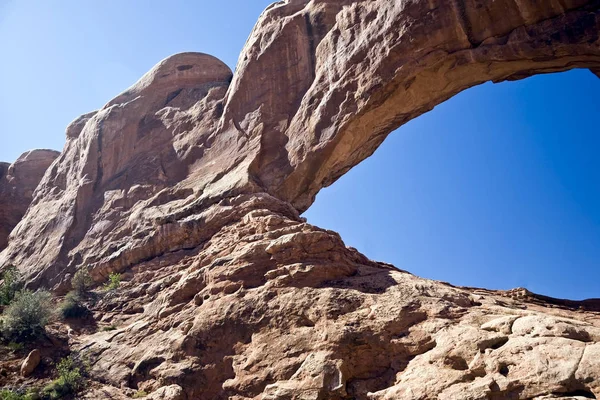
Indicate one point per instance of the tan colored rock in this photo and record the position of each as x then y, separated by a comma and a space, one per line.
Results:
105, 392
172, 392
501, 324
190, 184
31, 363
241, 320
17, 184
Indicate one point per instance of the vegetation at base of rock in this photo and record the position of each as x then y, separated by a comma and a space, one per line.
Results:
73, 307
82, 282
71, 379
27, 315
114, 281
10, 285
15, 346
139, 394
6, 394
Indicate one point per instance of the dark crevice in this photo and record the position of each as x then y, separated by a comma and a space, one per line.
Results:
172, 96
577, 393
456, 362
463, 19
493, 343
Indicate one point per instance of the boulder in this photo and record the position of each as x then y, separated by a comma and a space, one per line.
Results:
31, 363
172, 392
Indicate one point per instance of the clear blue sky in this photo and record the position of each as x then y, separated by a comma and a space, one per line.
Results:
498, 187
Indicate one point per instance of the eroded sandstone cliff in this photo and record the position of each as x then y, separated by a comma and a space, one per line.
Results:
190, 184
17, 184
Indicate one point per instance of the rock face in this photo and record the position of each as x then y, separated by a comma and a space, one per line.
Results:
17, 184
271, 307
190, 184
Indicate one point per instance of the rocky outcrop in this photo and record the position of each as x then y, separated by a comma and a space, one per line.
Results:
190, 184
124, 168
318, 87
17, 184
271, 307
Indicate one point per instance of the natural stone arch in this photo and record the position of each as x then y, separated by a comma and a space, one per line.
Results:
318, 87
338, 77
447, 163
229, 293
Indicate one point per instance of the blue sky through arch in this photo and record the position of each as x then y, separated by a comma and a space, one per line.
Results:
498, 187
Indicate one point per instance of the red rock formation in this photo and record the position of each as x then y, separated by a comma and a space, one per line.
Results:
347, 73
190, 183
17, 184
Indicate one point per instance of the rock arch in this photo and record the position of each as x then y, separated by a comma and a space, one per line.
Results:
337, 77
318, 87
192, 189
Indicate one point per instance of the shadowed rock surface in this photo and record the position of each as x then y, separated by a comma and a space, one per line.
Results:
190, 184
17, 184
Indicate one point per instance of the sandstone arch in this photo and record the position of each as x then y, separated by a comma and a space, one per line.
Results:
343, 75
192, 189
318, 87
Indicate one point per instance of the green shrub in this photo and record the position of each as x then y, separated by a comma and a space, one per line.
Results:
15, 347
31, 394
82, 282
139, 394
27, 315
71, 379
10, 285
6, 394
73, 307
114, 280
109, 328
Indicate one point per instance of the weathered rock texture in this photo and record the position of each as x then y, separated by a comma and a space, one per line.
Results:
191, 182
273, 308
31, 362
17, 184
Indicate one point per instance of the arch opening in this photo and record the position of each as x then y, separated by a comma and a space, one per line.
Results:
494, 188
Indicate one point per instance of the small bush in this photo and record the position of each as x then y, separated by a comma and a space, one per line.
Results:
31, 394
73, 307
139, 394
10, 285
114, 280
109, 328
82, 282
27, 315
6, 394
71, 379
